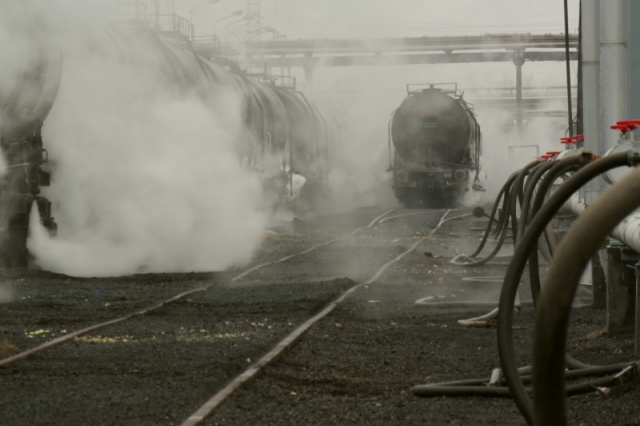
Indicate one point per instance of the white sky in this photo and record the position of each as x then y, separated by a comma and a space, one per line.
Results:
314, 19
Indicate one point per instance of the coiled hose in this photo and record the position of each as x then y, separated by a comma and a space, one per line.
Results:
552, 321
526, 245
558, 168
510, 375
510, 192
518, 189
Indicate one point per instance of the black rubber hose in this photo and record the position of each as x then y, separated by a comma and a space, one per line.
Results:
505, 203
486, 259
561, 282
478, 387
501, 227
518, 263
561, 167
592, 371
509, 213
503, 217
517, 196
503, 191
526, 214
429, 391
532, 183
513, 192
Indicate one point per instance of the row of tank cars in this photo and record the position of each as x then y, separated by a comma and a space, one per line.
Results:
281, 122
434, 132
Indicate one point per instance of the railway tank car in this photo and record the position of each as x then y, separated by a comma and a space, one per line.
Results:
308, 147
282, 127
27, 92
278, 123
436, 143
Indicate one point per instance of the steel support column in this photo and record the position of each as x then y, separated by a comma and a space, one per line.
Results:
633, 49
613, 69
621, 289
309, 66
518, 61
637, 323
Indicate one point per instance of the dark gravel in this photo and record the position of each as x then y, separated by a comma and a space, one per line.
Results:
356, 366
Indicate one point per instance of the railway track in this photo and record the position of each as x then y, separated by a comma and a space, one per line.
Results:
109, 331
175, 361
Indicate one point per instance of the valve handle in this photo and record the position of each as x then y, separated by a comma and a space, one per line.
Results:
635, 121
567, 140
622, 127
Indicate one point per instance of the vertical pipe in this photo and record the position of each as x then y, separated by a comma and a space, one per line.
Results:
156, 5
579, 113
620, 299
518, 61
613, 68
637, 313
590, 73
309, 67
633, 39
566, 47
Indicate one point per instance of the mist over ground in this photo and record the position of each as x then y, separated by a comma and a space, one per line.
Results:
145, 177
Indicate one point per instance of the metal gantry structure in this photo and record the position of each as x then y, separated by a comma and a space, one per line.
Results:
309, 54
253, 15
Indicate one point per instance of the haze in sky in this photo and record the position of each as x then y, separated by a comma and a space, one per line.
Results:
364, 97
313, 19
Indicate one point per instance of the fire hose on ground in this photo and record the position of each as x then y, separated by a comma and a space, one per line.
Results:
534, 180
534, 221
573, 254
519, 261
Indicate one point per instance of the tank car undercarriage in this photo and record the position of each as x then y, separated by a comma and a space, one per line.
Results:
19, 189
429, 190
282, 124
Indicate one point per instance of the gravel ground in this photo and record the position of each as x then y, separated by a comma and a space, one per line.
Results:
355, 366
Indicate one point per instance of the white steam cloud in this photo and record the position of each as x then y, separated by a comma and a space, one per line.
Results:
144, 177
365, 98
359, 114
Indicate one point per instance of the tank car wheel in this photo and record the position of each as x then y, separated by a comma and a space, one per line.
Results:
14, 253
